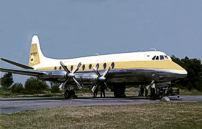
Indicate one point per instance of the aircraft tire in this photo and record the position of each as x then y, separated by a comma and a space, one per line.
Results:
72, 92
119, 91
67, 94
117, 95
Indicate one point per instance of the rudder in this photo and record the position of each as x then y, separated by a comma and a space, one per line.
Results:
35, 52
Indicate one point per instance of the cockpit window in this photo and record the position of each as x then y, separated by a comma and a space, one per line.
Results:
166, 57
161, 57
154, 58
157, 57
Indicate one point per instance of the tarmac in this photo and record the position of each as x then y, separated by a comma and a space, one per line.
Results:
12, 105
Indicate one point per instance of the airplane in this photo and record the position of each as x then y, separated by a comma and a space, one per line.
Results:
112, 70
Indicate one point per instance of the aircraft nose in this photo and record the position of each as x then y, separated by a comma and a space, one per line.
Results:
181, 73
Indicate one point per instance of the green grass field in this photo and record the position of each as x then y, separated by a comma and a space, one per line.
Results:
156, 115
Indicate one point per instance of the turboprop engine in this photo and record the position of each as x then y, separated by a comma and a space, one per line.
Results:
54, 76
71, 75
88, 78
66, 77
58, 75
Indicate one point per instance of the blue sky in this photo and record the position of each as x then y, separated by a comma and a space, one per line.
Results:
75, 28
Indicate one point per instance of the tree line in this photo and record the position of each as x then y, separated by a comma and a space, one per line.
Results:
34, 85
194, 76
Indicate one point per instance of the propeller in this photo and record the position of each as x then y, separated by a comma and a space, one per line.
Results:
152, 85
71, 75
101, 78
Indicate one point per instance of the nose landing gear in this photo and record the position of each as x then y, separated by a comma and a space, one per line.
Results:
69, 94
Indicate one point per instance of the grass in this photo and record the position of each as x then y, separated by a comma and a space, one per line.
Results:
154, 115
192, 92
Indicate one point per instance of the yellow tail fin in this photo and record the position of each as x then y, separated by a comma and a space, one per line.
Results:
35, 53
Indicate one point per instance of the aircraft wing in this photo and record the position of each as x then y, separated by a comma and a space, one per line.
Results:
17, 64
24, 72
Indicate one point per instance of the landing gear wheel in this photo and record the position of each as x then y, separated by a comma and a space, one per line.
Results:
72, 92
119, 91
117, 95
67, 94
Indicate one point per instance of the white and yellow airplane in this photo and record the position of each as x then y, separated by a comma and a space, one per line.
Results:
115, 70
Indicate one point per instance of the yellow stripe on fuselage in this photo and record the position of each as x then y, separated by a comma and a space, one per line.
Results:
157, 64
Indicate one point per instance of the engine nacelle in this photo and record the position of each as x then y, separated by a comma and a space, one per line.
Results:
61, 76
87, 78
54, 76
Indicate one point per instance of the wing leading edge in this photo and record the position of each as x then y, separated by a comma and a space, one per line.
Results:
17, 64
24, 72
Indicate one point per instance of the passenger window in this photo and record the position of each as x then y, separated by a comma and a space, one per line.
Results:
154, 58
157, 57
55, 68
104, 66
60, 68
90, 66
97, 66
112, 65
71, 68
161, 57
83, 67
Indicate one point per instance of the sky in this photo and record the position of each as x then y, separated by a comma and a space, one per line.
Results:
78, 28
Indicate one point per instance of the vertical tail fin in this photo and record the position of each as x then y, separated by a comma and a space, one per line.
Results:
35, 53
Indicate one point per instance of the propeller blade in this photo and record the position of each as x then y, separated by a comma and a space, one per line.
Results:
63, 84
101, 78
107, 87
77, 67
96, 71
95, 87
152, 85
152, 82
78, 85
106, 72
147, 87
64, 67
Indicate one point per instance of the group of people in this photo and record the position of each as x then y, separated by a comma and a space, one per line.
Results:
143, 89
102, 88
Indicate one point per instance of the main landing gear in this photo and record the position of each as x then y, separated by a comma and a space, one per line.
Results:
69, 94
119, 91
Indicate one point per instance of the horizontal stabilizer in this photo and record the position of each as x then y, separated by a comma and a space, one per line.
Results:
17, 64
23, 72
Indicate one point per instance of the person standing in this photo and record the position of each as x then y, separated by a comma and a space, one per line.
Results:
102, 90
146, 92
153, 95
95, 92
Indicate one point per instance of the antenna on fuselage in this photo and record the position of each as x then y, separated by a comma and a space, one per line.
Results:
153, 49
97, 54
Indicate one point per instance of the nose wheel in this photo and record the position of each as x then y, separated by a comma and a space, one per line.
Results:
69, 93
